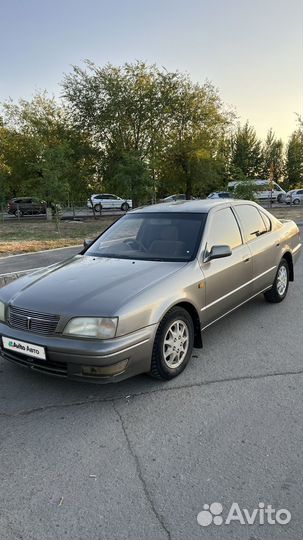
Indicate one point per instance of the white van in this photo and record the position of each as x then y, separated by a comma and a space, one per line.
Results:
263, 191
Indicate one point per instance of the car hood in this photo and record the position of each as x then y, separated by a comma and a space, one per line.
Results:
86, 285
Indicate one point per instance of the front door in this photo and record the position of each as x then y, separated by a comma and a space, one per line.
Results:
228, 281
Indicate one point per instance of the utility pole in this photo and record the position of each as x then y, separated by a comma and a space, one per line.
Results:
271, 185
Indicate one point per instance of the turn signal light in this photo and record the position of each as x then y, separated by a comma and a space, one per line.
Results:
104, 371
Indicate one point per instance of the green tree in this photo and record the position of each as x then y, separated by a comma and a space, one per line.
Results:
130, 175
172, 125
124, 109
272, 157
294, 159
43, 152
193, 161
246, 153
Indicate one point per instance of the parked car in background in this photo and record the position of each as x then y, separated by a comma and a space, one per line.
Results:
294, 196
263, 190
102, 201
138, 297
25, 206
220, 195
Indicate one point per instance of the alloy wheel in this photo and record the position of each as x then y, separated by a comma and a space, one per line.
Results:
282, 279
175, 344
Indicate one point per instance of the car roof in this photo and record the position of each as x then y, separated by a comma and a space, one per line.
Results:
202, 206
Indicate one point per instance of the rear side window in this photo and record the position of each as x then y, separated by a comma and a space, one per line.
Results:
251, 220
224, 230
267, 221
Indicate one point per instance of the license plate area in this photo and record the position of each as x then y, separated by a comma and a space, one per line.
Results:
24, 347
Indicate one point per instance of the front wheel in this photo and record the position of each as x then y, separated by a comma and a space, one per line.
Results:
98, 207
280, 286
173, 344
296, 201
279, 198
125, 207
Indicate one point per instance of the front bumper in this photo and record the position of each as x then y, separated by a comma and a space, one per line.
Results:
65, 356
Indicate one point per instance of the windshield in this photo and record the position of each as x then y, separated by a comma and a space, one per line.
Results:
151, 236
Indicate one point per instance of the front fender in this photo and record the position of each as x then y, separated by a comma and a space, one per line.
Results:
150, 306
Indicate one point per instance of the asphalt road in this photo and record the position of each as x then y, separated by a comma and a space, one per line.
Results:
18, 263
138, 460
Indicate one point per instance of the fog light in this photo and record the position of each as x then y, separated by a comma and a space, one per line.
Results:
105, 371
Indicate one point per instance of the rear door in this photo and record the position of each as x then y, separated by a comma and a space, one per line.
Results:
106, 201
262, 242
98, 199
36, 206
114, 201
228, 280
26, 206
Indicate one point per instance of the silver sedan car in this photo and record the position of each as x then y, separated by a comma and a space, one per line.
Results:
294, 196
137, 299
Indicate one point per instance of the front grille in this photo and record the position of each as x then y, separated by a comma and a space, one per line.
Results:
32, 321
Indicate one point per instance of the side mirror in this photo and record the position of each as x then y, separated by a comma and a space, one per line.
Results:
87, 242
217, 252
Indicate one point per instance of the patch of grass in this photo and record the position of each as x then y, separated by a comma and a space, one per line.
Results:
26, 236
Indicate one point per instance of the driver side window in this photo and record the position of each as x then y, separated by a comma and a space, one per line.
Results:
224, 230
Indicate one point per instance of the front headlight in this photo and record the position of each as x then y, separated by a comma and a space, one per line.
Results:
2, 311
94, 327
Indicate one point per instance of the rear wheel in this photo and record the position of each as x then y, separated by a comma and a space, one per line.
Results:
98, 207
18, 213
280, 287
173, 344
125, 207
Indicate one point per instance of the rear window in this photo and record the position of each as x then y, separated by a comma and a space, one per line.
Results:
251, 221
267, 221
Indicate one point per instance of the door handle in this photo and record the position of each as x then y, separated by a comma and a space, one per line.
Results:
246, 259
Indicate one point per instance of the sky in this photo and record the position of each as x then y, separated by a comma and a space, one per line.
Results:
251, 50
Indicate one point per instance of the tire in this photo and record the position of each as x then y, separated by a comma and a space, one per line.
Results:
279, 198
280, 286
125, 207
167, 367
18, 213
98, 207
296, 201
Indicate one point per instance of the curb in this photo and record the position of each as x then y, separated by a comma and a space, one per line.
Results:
2, 257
